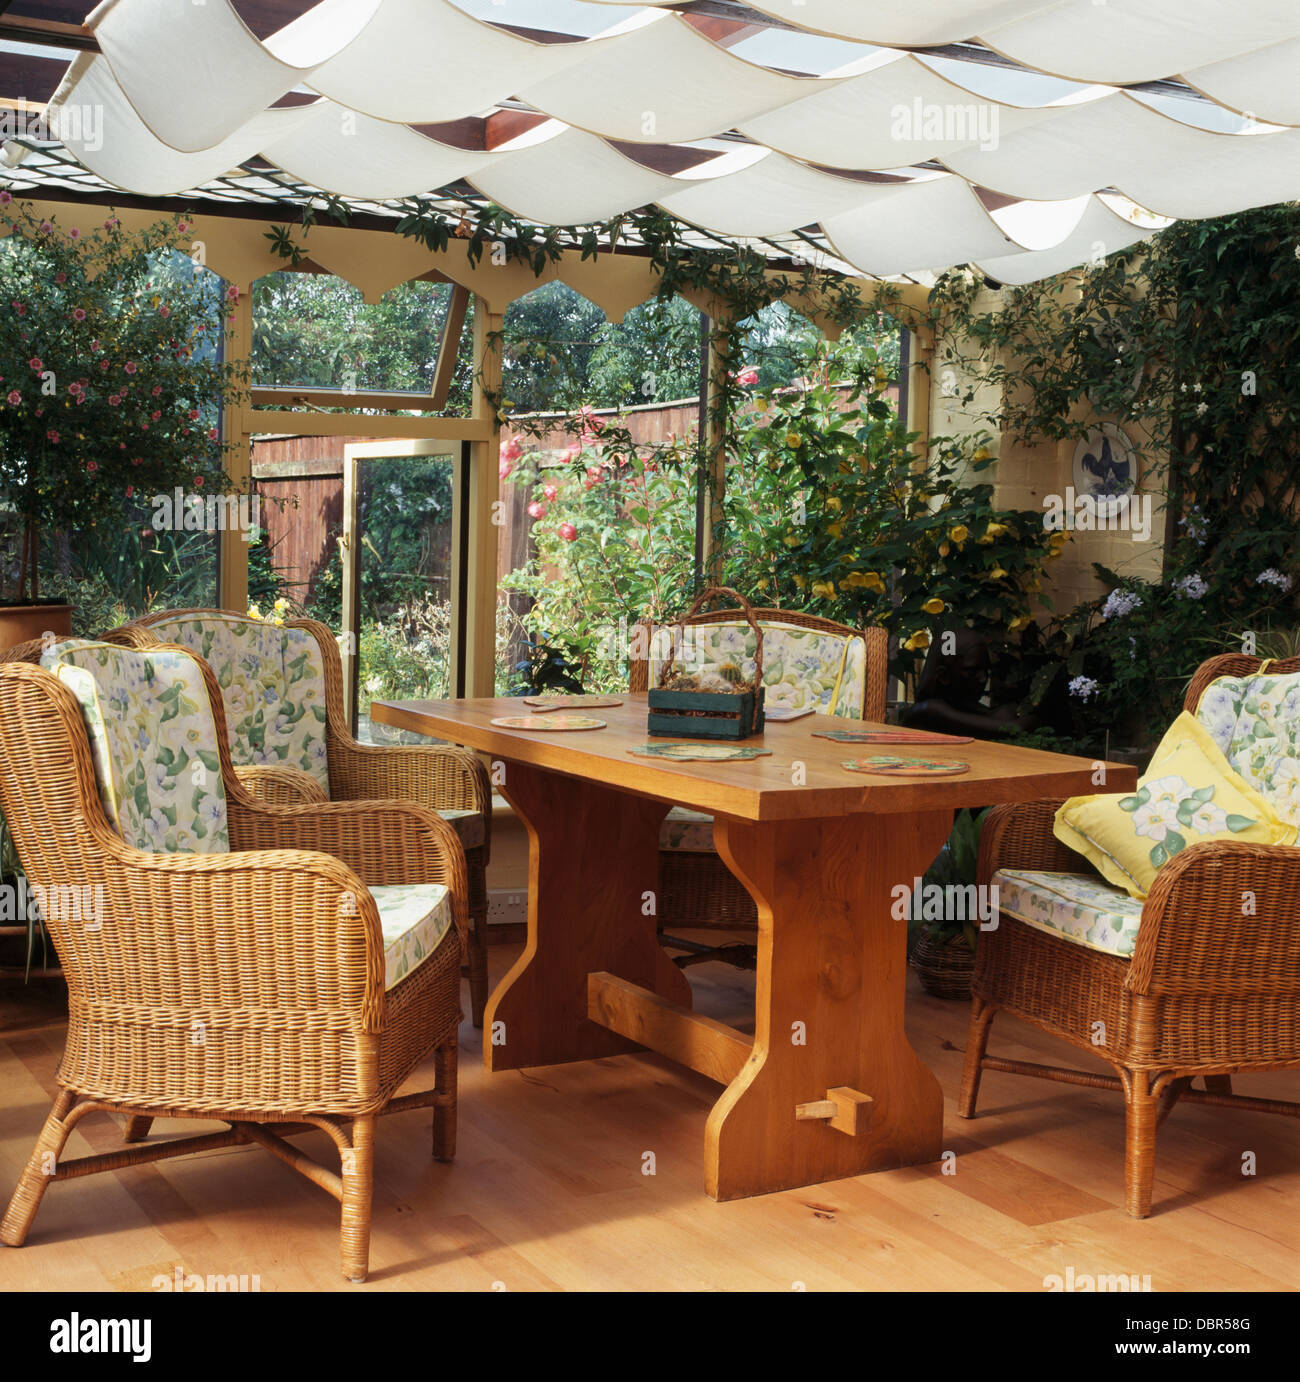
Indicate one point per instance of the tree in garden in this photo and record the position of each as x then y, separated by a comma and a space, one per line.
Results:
111, 377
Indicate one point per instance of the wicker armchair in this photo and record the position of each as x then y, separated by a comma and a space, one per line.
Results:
442, 777
244, 984
696, 889
1207, 991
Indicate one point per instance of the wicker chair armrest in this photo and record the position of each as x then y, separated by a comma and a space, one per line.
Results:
199, 931
279, 786
1222, 917
1018, 835
440, 777
381, 841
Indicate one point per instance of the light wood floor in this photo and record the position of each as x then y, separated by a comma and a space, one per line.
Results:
548, 1190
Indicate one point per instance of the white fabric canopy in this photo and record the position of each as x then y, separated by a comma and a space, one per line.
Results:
884, 154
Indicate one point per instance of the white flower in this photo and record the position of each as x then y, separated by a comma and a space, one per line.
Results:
1120, 602
1196, 388
1191, 587
1272, 576
1209, 819
1155, 819
1083, 687
1202, 409
374, 685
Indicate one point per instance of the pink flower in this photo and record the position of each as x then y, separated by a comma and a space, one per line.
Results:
112, 223
36, 363
592, 426
94, 345
60, 278
164, 311
92, 466
212, 434
78, 314
131, 367
46, 227
747, 378
183, 225
74, 234
20, 308
130, 490
593, 474
568, 532
53, 436
155, 415
537, 510
137, 460
156, 390
114, 399
74, 388
15, 397
504, 468
511, 449
6, 198
232, 293
573, 451
198, 482
550, 491
194, 414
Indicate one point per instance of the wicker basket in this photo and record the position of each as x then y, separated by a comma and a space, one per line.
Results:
709, 714
945, 970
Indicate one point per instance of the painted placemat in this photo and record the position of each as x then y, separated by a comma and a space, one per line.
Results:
906, 767
547, 704
549, 722
890, 736
711, 753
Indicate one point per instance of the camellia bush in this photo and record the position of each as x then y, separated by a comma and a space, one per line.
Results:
111, 377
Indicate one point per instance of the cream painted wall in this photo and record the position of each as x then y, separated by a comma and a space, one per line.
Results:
1025, 475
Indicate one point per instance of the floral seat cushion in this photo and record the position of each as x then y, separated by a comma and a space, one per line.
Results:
687, 832
803, 669
153, 739
272, 683
1077, 907
414, 918
1255, 720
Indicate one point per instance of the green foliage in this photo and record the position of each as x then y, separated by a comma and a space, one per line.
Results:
111, 376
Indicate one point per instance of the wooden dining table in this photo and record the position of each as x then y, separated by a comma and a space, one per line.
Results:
828, 1085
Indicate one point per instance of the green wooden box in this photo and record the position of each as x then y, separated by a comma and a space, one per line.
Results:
726, 715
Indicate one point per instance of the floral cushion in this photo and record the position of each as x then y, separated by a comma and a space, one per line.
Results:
414, 918
1078, 907
272, 682
802, 668
468, 825
687, 832
1188, 794
153, 738
1255, 721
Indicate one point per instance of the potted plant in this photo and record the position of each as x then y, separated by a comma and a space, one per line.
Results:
111, 380
941, 929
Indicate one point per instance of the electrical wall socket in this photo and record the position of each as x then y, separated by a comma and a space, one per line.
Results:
507, 905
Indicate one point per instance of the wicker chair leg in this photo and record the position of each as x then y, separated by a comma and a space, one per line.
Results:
1142, 1117
478, 967
36, 1175
445, 1060
358, 1188
1218, 1084
137, 1127
977, 1040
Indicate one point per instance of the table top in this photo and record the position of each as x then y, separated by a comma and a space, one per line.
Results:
769, 788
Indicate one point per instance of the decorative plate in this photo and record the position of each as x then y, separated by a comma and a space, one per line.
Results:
711, 753
906, 767
550, 703
890, 736
560, 721
1105, 468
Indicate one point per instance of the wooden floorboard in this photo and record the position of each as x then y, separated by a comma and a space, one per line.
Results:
549, 1190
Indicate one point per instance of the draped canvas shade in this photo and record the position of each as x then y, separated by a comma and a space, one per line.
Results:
888, 160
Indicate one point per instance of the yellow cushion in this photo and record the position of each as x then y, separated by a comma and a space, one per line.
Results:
1189, 793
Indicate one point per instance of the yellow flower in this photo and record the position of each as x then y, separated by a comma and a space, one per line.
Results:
920, 639
1059, 538
254, 612
801, 581
1019, 622
846, 558
835, 529
997, 574
959, 534
792, 540
826, 589
793, 440
944, 549
996, 530
934, 605
833, 502
762, 582
981, 453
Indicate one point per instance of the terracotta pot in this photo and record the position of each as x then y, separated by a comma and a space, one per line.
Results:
18, 623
